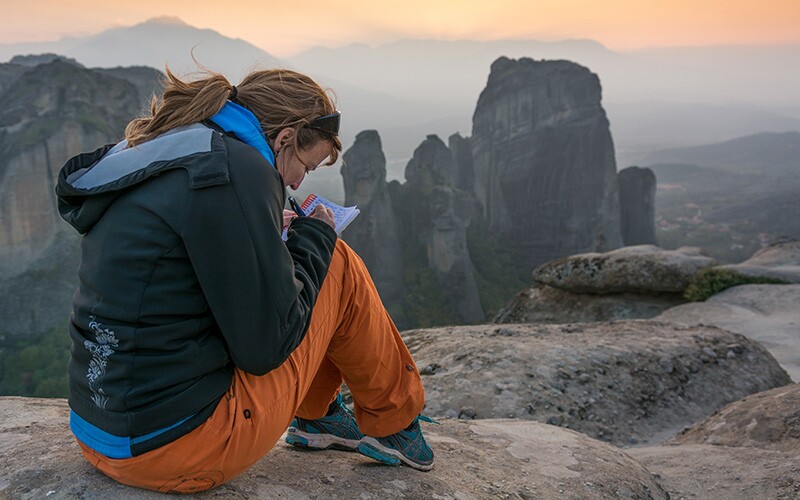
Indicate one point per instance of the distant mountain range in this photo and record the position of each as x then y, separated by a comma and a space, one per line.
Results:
764, 155
159, 41
731, 197
411, 88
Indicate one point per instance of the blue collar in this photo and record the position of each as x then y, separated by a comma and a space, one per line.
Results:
242, 122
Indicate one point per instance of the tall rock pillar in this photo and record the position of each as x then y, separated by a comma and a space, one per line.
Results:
637, 200
374, 233
543, 160
440, 215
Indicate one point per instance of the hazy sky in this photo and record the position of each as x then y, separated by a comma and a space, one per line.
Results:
286, 27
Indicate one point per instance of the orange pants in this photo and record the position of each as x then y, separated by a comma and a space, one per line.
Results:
351, 337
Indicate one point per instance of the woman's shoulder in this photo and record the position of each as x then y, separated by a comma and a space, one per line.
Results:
245, 160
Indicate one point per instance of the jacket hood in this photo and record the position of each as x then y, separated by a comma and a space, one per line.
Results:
90, 182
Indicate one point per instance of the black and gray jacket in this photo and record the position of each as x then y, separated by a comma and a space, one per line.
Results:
183, 276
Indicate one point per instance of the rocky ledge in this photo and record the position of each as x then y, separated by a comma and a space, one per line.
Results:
625, 382
749, 449
632, 282
475, 459
767, 314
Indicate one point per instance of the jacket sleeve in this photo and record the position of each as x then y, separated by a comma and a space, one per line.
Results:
261, 290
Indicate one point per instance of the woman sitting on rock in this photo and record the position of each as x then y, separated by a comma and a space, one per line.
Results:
198, 333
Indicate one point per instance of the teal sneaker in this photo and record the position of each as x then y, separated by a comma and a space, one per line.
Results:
407, 446
336, 430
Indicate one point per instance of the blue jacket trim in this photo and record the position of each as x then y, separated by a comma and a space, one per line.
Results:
108, 444
242, 122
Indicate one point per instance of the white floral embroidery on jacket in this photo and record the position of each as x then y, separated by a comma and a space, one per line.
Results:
106, 342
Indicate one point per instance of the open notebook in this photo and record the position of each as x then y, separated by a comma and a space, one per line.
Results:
342, 216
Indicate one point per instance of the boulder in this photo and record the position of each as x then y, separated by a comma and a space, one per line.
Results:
543, 160
780, 261
475, 459
767, 314
625, 382
719, 472
637, 269
769, 420
547, 304
749, 449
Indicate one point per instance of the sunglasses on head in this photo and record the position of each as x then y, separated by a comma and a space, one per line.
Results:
328, 123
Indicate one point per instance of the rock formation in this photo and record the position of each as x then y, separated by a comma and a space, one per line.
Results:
636, 282
749, 449
424, 218
374, 235
48, 113
537, 176
781, 260
768, 314
463, 169
39, 458
769, 420
642, 268
543, 157
439, 216
625, 382
547, 304
637, 200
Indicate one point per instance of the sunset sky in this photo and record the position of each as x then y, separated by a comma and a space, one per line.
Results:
284, 28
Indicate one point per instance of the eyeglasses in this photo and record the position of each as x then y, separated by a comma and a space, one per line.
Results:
328, 123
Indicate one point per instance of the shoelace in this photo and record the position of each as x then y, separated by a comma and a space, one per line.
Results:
428, 419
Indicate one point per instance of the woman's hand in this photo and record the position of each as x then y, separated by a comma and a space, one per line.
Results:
288, 215
324, 214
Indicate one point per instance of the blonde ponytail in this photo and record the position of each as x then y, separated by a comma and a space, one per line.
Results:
279, 98
182, 103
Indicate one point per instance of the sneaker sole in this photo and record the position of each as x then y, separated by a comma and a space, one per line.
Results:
371, 448
296, 437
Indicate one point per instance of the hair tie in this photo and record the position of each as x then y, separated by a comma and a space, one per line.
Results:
234, 91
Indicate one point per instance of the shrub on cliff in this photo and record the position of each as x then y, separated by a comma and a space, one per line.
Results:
711, 281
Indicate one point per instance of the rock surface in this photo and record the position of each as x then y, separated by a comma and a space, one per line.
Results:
638, 269
769, 420
780, 260
706, 472
463, 169
768, 314
547, 304
476, 459
625, 382
543, 159
637, 201
749, 449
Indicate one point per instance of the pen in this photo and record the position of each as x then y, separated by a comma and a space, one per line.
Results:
296, 207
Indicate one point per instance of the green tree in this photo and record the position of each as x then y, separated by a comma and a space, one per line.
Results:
36, 367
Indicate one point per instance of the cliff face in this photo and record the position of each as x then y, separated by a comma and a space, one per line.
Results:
637, 199
463, 170
544, 164
411, 231
375, 237
536, 181
48, 113
439, 217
